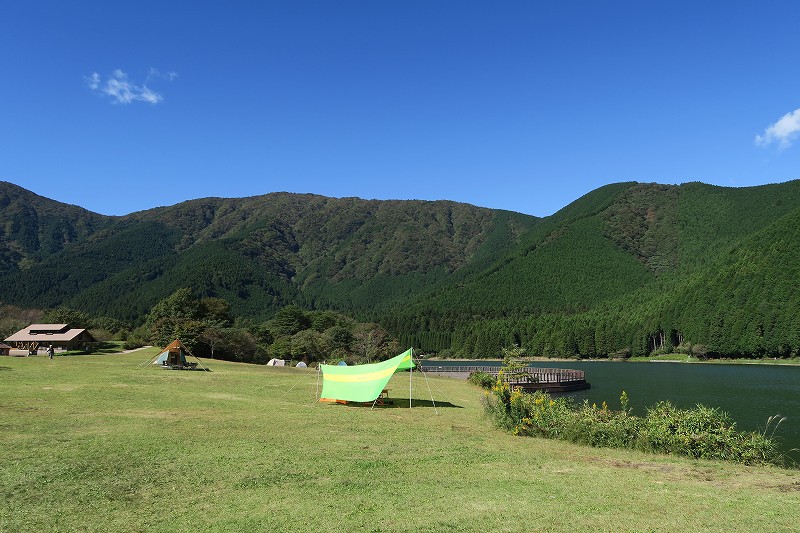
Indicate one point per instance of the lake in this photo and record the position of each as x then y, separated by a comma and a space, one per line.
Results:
750, 394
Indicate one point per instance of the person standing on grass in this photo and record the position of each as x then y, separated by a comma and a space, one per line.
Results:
50, 351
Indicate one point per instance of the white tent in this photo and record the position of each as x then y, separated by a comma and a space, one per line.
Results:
276, 362
301, 364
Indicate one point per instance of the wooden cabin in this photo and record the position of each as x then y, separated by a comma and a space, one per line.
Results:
61, 336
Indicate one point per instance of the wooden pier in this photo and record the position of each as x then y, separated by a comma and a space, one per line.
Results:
528, 379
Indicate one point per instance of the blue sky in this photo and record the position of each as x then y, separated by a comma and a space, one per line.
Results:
525, 106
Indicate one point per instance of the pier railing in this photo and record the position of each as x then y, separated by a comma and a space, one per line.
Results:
527, 374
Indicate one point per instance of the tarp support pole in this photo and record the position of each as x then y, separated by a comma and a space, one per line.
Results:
410, 375
318, 372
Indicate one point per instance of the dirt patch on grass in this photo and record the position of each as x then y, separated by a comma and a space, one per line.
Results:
650, 467
155, 413
793, 486
723, 477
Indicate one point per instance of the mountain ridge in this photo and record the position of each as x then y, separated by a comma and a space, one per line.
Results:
439, 270
287, 235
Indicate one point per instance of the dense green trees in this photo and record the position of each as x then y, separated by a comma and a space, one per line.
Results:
720, 289
628, 269
206, 326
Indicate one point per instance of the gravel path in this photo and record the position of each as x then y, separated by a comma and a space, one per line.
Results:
136, 349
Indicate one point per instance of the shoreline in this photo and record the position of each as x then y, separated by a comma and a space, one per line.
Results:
794, 361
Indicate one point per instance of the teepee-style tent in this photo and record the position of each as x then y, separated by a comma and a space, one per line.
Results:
174, 357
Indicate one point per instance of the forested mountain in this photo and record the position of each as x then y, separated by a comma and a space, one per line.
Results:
718, 276
626, 269
259, 253
33, 227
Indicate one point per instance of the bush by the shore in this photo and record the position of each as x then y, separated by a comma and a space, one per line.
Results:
481, 379
702, 432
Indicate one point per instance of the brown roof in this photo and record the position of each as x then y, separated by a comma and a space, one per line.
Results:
49, 333
48, 327
174, 345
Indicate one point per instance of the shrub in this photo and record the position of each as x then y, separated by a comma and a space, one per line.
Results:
700, 351
481, 379
101, 335
133, 342
513, 366
701, 432
624, 353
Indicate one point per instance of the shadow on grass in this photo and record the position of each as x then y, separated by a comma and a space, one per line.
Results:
107, 347
101, 348
5, 368
403, 404
428, 403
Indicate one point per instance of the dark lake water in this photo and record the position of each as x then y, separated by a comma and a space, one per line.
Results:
750, 394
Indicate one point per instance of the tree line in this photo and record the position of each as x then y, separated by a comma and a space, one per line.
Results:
208, 328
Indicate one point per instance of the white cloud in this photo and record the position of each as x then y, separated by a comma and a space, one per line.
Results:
154, 74
122, 91
783, 132
93, 80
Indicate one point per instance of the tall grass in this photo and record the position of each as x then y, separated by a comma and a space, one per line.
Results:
701, 433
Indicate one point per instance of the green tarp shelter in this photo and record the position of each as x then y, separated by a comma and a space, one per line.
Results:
361, 383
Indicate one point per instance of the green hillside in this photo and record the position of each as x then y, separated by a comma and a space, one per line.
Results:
696, 267
33, 227
629, 268
260, 253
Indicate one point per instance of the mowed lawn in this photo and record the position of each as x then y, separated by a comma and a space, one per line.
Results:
98, 443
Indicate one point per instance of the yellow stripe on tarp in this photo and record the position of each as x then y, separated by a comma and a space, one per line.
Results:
360, 378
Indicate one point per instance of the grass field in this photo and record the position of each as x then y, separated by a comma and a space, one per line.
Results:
683, 358
95, 443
